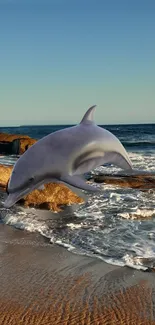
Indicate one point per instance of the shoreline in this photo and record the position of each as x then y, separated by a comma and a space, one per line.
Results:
43, 284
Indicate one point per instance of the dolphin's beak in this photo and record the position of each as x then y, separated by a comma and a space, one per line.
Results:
18, 195
15, 197
11, 200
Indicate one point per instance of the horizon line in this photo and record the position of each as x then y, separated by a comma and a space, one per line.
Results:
70, 124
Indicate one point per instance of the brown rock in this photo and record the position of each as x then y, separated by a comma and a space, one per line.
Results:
5, 172
25, 140
11, 137
25, 144
52, 197
141, 182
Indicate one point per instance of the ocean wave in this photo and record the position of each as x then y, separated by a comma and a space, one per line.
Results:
140, 263
102, 227
139, 144
139, 214
8, 160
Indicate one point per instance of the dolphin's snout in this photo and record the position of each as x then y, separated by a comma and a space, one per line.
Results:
8, 204
10, 200
13, 198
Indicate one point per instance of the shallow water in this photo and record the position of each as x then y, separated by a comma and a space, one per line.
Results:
105, 225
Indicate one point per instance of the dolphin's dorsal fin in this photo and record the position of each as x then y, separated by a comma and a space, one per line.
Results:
89, 115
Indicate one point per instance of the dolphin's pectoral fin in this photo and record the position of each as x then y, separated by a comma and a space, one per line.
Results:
78, 182
86, 163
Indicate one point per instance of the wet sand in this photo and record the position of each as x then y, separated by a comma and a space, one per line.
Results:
42, 284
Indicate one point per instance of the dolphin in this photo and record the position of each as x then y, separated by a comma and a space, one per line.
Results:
65, 155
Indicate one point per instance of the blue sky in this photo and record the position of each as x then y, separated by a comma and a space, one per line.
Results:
59, 57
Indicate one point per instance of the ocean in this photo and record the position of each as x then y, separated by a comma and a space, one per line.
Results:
103, 226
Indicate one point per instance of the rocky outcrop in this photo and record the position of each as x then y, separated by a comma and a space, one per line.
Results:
142, 182
24, 142
52, 197
10, 137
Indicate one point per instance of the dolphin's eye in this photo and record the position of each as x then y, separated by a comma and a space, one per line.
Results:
31, 179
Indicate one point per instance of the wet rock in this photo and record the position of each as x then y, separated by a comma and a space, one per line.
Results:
142, 182
5, 172
52, 197
10, 148
10, 137
18, 143
25, 144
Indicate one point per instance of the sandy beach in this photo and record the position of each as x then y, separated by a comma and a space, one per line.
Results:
43, 284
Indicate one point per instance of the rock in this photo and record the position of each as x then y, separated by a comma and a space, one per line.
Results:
10, 137
10, 148
24, 142
5, 172
142, 182
51, 198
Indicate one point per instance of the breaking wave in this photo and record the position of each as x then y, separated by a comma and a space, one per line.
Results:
117, 226
139, 145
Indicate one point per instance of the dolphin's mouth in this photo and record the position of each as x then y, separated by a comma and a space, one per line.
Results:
14, 197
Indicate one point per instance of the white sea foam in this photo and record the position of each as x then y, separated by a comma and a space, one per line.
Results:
7, 160
138, 214
25, 221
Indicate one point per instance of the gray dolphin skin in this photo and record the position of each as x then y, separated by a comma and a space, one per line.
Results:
65, 155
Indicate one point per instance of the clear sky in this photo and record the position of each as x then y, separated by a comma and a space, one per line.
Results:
58, 57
